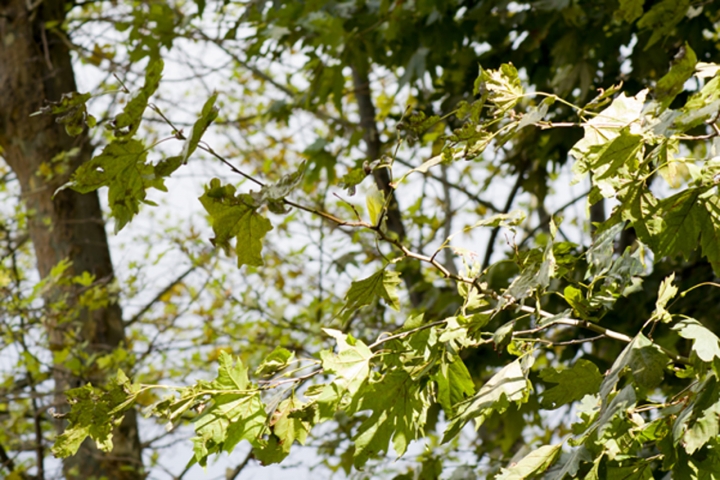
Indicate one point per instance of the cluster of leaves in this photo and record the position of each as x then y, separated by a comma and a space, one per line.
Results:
558, 329
392, 386
123, 165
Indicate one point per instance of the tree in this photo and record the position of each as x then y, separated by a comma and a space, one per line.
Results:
66, 230
393, 319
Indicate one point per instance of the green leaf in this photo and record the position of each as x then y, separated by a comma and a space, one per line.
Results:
629, 10
507, 385
232, 417
352, 179
701, 106
601, 252
503, 336
640, 471
624, 113
666, 293
569, 464
127, 123
278, 360
604, 96
167, 166
399, 411
697, 424
122, 167
287, 427
574, 383
703, 430
627, 270
274, 194
351, 364
622, 151
235, 216
705, 342
72, 109
535, 114
504, 86
619, 404
375, 201
641, 210
646, 361
382, 284
269, 451
454, 385
577, 301
95, 413
670, 85
669, 167
533, 463
709, 217
512, 219
534, 276
207, 115
431, 469
662, 18
678, 224
682, 224
231, 376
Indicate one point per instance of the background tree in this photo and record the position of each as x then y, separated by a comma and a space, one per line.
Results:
312, 98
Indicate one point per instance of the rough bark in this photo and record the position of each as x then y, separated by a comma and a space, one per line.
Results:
35, 65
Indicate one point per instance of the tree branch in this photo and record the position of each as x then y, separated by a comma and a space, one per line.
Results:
8, 463
361, 81
232, 474
540, 225
160, 294
506, 209
319, 113
592, 327
472, 196
447, 223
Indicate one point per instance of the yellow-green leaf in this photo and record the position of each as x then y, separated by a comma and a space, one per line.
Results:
235, 216
382, 284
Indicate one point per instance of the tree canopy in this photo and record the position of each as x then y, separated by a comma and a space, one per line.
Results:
481, 236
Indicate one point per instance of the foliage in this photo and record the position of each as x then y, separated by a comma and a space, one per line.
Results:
608, 329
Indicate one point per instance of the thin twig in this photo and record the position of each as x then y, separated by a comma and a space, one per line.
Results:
574, 341
232, 474
404, 334
557, 211
8, 462
508, 205
160, 294
592, 327
476, 198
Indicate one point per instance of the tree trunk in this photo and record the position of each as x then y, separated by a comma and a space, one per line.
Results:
35, 65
